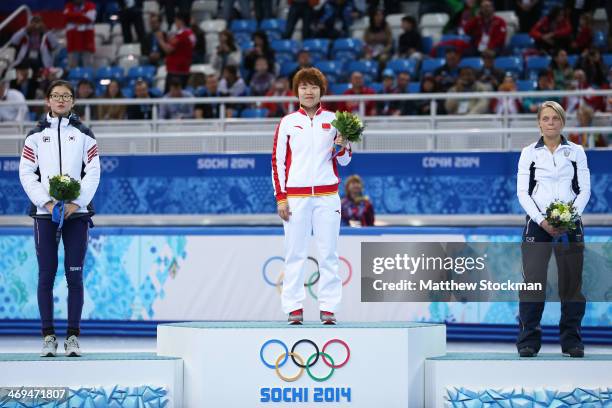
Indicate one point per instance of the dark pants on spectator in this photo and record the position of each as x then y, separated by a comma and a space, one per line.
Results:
263, 9
129, 17
296, 10
75, 233
536, 250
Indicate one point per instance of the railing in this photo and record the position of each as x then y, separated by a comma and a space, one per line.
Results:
12, 17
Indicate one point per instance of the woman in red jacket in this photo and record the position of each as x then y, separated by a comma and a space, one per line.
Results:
80, 33
552, 31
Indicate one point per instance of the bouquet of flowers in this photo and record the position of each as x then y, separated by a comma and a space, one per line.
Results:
349, 125
64, 188
562, 215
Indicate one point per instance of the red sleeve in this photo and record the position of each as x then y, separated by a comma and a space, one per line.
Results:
536, 31
564, 29
471, 27
498, 35
369, 214
78, 17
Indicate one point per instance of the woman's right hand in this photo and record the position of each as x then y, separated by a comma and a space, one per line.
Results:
49, 206
283, 211
552, 231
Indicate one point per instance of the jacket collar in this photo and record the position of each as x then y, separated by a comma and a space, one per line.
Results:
540, 143
303, 111
52, 121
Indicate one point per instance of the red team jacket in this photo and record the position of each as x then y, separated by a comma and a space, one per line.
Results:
80, 33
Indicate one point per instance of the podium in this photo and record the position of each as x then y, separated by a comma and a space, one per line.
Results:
256, 364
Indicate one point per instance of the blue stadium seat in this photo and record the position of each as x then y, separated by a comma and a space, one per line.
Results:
146, 72
241, 38
254, 113
347, 49
156, 92
520, 42
368, 68
431, 64
285, 50
456, 37
128, 92
333, 70
510, 64
339, 88
245, 44
110, 73
526, 85
376, 86
274, 27
79, 73
607, 60
287, 68
572, 59
317, 47
282, 58
535, 64
427, 44
243, 26
403, 65
600, 40
472, 62
414, 87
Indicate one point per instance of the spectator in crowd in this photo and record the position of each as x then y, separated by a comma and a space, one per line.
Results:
131, 15
587, 139
580, 83
336, 19
227, 52
176, 110
357, 210
263, 9
80, 17
410, 41
552, 31
261, 48
489, 75
23, 83
47, 75
358, 88
170, 7
199, 49
85, 90
584, 36
447, 74
545, 83
12, 113
460, 13
145, 110
228, 9
378, 38
528, 12
35, 45
429, 85
575, 9
231, 84
178, 49
562, 71
487, 31
151, 51
472, 106
114, 111
404, 107
211, 90
262, 79
592, 65
505, 104
303, 61
387, 108
303, 9
280, 88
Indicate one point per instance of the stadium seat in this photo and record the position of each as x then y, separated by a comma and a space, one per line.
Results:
156, 92
472, 62
368, 68
347, 49
273, 27
339, 88
535, 64
607, 60
526, 85
213, 26
287, 68
455, 37
254, 113
432, 24
520, 42
127, 92
427, 44
243, 26
146, 72
510, 64
129, 49
376, 86
317, 47
245, 44
203, 9
600, 40
78, 73
333, 70
572, 59
403, 65
414, 87
285, 50
431, 64
110, 73
102, 32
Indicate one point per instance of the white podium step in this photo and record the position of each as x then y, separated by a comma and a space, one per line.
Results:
506, 380
94, 380
245, 364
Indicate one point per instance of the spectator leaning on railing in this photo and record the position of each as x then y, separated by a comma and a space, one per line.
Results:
115, 111
211, 90
489, 75
176, 110
145, 110
472, 106
562, 71
358, 88
279, 88
85, 90
447, 74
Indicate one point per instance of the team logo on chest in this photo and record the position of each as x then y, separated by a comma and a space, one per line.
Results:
326, 126
46, 139
566, 153
71, 138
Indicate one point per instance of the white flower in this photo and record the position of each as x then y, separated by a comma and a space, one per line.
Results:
555, 213
65, 179
566, 216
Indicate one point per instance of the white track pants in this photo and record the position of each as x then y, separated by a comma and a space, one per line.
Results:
319, 215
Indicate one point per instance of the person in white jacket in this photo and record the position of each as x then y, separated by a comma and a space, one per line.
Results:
552, 169
305, 179
60, 144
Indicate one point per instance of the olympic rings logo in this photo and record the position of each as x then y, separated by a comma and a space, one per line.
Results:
307, 364
312, 280
108, 165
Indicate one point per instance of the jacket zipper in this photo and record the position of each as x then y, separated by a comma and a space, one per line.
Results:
59, 142
312, 152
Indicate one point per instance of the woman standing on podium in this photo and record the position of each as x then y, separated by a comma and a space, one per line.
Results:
305, 179
552, 169
60, 145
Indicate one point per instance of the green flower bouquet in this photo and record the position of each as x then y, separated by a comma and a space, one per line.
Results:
562, 215
349, 125
64, 188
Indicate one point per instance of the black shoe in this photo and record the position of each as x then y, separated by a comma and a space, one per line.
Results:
574, 352
527, 352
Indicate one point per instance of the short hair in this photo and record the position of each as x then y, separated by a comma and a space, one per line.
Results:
309, 76
184, 16
554, 106
59, 82
409, 19
175, 83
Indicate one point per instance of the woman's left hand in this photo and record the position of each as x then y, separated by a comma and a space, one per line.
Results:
69, 209
340, 140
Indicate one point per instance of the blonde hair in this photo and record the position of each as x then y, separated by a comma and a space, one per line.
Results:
554, 106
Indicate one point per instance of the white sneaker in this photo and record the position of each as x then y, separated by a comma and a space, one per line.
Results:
49, 347
71, 345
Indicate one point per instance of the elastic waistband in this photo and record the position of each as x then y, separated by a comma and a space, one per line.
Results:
312, 191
